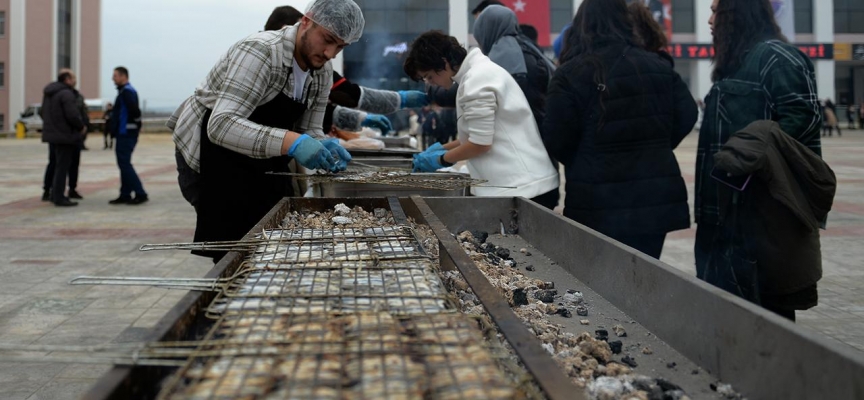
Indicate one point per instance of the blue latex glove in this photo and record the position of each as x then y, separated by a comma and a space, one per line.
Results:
413, 99
311, 153
429, 161
436, 146
339, 153
379, 122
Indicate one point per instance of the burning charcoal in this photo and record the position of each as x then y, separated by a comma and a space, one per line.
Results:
671, 365
582, 311
675, 395
649, 386
619, 331
616, 346
503, 253
629, 361
546, 296
666, 385
530, 267
601, 334
520, 297
584, 322
565, 313
480, 236
380, 212
647, 351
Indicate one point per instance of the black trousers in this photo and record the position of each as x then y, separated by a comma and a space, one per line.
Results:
48, 182
782, 305
64, 155
650, 244
548, 199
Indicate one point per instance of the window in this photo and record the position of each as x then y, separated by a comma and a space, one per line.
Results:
684, 16
847, 16
2, 23
2, 122
803, 17
2, 75
64, 34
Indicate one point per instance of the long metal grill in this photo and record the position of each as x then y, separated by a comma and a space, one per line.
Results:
339, 314
433, 181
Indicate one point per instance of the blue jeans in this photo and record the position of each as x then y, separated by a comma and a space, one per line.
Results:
129, 181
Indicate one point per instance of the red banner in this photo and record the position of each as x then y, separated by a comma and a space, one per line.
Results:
534, 13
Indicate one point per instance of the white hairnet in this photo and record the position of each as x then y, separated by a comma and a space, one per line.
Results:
343, 18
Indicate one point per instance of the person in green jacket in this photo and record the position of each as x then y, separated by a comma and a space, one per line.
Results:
757, 75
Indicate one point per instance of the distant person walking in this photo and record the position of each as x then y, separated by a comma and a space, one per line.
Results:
63, 130
125, 124
830, 119
851, 110
107, 133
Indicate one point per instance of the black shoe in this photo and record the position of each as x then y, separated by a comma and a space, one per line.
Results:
138, 200
121, 200
46, 195
73, 194
65, 203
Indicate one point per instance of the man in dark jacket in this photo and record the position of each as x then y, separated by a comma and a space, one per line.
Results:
126, 123
63, 130
76, 159
774, 221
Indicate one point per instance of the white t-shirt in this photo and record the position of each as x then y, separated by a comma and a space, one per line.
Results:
299, 81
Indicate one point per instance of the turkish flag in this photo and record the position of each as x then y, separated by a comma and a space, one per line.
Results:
534, 13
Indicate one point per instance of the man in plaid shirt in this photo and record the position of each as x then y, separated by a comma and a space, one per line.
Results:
262, 103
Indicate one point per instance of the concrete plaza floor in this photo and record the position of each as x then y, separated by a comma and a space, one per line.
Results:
43, 247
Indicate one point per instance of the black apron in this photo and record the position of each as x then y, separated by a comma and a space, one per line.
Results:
236, 191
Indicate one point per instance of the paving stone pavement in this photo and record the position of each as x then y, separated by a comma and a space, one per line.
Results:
43, 247
840, 313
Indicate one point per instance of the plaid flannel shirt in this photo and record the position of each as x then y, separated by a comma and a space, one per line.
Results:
250, 74
775, 82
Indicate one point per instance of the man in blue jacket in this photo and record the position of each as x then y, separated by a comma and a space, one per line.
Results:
126, 122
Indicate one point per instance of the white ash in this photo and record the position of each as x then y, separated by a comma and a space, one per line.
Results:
582, 357
342, 220
338, 217
342, 209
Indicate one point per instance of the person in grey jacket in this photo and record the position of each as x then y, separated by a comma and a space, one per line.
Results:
63, 130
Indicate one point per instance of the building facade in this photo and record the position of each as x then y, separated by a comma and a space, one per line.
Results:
829, 31
39, 37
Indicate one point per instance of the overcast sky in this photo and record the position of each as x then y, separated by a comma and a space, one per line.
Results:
170, 45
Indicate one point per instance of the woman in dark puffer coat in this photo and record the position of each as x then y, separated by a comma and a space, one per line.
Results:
614, 113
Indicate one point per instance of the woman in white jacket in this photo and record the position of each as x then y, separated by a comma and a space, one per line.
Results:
497, 134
